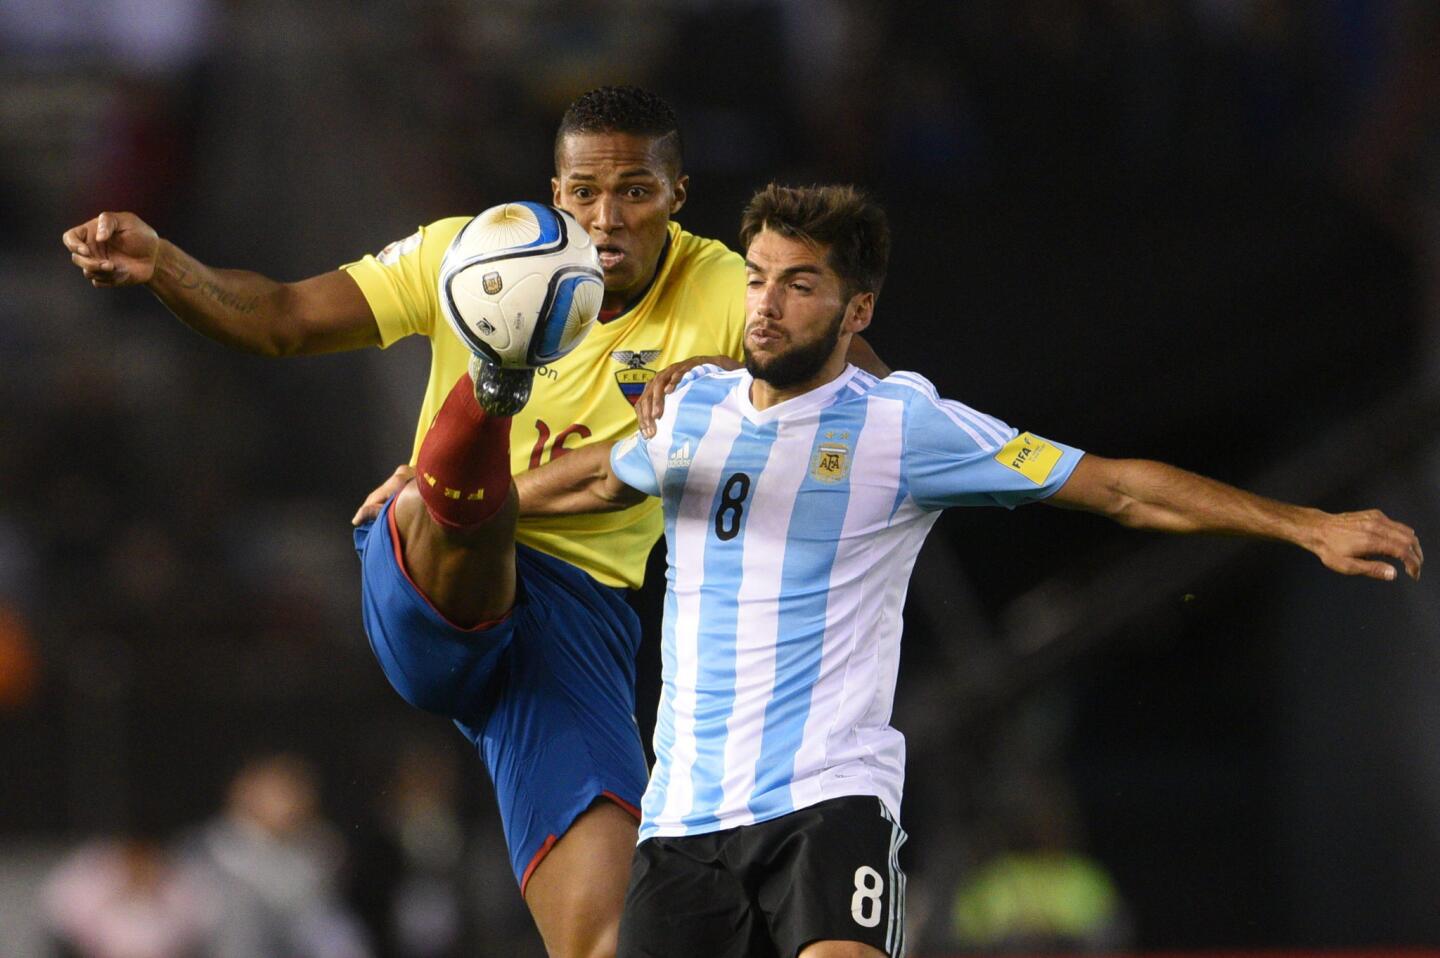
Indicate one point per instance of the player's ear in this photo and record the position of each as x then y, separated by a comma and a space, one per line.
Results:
554, 191
679, 192
859, 311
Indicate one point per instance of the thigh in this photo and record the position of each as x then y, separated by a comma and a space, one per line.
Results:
432, 663
560, 728
831, 873
684, 903
469, 576
576, 892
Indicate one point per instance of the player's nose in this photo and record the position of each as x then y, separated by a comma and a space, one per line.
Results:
607, 218
766, 301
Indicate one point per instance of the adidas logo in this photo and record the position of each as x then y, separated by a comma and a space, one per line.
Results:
680, 458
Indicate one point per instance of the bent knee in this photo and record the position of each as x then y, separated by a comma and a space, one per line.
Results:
466, 576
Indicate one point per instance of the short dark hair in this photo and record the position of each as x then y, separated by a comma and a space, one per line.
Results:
623, 109
839, 216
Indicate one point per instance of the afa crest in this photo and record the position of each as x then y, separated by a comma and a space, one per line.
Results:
831, 462
635, 375
491, 283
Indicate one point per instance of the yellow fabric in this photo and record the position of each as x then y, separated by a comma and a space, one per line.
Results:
1022, 897
694, 307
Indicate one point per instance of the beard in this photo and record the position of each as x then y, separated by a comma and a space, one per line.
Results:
799, 363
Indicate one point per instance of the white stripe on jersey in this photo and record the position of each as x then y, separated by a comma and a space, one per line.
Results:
708, 458
758, 621
855, 665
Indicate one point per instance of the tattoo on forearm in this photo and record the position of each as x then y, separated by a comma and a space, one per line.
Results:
182, 276
186, 279
240, 304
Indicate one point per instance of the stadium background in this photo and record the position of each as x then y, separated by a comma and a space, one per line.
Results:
1203, 231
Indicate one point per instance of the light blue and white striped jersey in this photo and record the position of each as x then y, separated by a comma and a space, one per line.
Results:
792, 532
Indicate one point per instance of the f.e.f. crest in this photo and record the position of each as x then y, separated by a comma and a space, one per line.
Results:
635, 375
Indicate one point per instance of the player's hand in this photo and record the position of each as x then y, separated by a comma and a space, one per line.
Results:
114, 249
370, 509
652, 401
1357, 543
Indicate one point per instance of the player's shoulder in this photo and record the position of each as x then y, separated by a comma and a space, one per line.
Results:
427, 240
908, 387
905, 388
700, 254
709, 377
904, 384
927, 409
444, 230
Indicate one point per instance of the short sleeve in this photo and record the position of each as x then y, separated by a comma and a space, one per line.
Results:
400, 282
704, 369
630, 461
955, 456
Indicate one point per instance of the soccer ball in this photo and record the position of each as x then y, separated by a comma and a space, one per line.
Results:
521, 284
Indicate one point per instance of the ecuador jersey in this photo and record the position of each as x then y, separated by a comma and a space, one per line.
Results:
695, 306
792, 532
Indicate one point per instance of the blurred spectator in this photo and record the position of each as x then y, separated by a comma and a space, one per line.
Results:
1039, 893
276, 862
406, 883
126, 898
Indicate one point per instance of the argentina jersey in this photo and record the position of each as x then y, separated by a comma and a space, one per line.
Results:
791, 533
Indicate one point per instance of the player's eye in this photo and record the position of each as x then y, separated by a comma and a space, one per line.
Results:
581, 193
800, 287
637, 192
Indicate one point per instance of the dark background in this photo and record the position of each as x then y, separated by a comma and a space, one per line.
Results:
1199, 231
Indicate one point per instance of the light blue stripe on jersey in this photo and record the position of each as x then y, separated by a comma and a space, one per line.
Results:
812, 540
692, 418
719, 612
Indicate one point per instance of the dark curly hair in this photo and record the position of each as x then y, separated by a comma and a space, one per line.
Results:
623, 109
839, 216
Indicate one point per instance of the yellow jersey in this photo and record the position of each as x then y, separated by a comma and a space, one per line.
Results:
695, 306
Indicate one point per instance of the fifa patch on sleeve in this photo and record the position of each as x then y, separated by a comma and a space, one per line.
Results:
1031, 456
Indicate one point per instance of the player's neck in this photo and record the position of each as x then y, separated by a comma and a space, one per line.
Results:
617, 303
763, 395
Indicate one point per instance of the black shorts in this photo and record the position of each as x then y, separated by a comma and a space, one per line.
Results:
827, 872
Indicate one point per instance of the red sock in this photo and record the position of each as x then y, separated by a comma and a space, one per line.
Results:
463, 469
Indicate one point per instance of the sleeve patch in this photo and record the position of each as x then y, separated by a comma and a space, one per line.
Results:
391, 254
1031, 456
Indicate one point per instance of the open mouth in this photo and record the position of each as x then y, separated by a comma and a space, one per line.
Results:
610, 256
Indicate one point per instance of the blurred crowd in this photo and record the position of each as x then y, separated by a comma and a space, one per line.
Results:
1217, 205
269, 874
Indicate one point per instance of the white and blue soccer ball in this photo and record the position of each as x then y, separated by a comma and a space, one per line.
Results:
521, 284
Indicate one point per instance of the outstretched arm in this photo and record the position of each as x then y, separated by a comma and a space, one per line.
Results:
1152, 495
579, 481
326, 313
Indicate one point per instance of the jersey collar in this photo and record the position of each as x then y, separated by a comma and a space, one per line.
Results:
817, 398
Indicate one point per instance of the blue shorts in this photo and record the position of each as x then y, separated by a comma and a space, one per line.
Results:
547, 694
